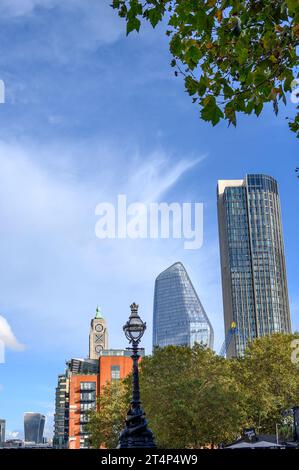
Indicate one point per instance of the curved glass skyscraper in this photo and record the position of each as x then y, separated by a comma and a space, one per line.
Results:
179, 317
34, 424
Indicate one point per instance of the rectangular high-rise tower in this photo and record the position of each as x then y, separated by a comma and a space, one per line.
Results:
254, 283
2, 430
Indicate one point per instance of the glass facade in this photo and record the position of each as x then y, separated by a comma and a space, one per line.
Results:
61, 416
252, 259
2, 430
179, 317
34, 424
83, 366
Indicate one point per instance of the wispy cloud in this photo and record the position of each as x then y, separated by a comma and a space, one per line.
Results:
8, 337
159, 174
22, 7
51, 255
84, 23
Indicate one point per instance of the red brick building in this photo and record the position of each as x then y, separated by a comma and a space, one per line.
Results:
80, 387
113, 367
85, 389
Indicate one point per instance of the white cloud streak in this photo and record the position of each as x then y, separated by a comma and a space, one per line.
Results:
50, 254
8, 337
99, 23
13, 8
156, 176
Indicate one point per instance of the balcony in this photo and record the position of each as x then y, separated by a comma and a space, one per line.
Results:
80, 422
87, 390
87, 400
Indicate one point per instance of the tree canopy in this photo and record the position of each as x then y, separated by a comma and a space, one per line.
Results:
107, 421
234, 55
269, 379
191, 397
194, 398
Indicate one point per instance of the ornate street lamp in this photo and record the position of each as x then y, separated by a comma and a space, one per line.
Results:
136, 432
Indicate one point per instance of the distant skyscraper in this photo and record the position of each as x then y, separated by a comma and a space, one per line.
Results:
34, 424
98, 336
254, 283
179, 317
2, 430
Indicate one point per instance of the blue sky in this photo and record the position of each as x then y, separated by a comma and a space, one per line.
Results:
91, 114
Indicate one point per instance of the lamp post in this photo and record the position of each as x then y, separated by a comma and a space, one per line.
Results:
136, 432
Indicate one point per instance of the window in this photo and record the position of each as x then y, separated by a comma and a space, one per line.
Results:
90, 386
83, 429
115, 372
87, 396
84, 418
87, 406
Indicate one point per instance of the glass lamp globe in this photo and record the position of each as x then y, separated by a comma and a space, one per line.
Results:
135, 327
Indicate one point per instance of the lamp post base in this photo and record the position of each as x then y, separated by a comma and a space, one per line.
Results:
136, 433
142, 441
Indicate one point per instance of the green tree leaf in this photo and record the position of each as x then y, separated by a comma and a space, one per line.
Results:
210, 111
243, 48
133, 25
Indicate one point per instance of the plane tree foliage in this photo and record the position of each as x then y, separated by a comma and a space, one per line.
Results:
234, 56
194, 398
191, 398
107, 421
270, 380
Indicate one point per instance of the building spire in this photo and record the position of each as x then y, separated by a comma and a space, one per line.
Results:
98, 313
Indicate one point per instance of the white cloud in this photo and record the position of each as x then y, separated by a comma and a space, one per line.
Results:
26, 7
8, 337
50, 255
20, 7
13, 434
158, 175
99, 23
